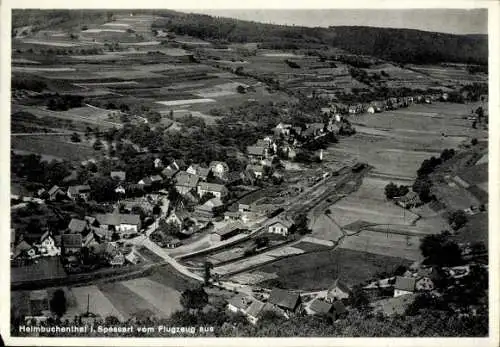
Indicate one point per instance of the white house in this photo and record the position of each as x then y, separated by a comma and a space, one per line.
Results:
370, 110
280, 226
158, 163
48, 246
218, 190
338, 291
124, 224
219, 168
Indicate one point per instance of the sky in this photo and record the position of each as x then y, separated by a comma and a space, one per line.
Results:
454, 21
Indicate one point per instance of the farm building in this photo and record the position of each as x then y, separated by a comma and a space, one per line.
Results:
282, 128
318, 306
23, 250
232, 215
218, 190
280, 226
338, 291
169, 172
290, 302
208, 210
404, 285
256, 171
79, 192
424, 284
250, 307
124, 224
228, 231
146, 182
172, 242
185, 182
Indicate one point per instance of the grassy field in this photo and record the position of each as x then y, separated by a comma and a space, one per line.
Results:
52, 146
43, 268
476, 230
316, 271
382, 243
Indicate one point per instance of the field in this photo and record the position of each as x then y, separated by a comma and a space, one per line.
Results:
52, 146
476, 230
44, 268
138, 297
383, 243
316, 271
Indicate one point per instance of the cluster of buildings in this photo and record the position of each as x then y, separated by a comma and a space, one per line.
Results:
385, 105
288, 303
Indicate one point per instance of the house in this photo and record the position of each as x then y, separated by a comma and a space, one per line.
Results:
90, 240
79, 192
208, 210
370, 109
169, 172
218, 190
228, 231
338, 291
254, 311
24, 250
185, 182
219, 168
158, 163
282, 128
290, 302
171, 242
117, 259
199, 171
411, 199
55, 192
404, 285
146, 182
257, 152
156, 179
232, 215
48, 245
77, 226
319, 306
124, 224
279, 226
120, 189
239, 303
71, 243
118, 175
256, 170
313, 129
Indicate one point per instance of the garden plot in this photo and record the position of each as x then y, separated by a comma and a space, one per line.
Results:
115, 24
50, 146
98, 303
284, 252
242, 264
230, 254
96, 30
455, 197
42, 69
23, 61
126, 301
383, 243
324, 228
253, 277
165, 299
51, 43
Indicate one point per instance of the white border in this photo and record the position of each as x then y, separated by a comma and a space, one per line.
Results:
494, 141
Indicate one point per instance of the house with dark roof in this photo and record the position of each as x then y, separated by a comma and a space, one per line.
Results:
118, 175
146, 182
257, 171
228, 231
79, 192
411, 199
319, 306
156, 179
77, 226
288, 301
338, 291
208, 210
24, 250
256, 152
169, 172
55, 192
404, 285
71, 243
218, 190
185, 182
246, 305
47, 245
313, 129
279, 226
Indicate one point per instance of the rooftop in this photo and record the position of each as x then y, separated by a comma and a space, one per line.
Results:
405, 283
320, 306
77, 225
284, 298
186, 179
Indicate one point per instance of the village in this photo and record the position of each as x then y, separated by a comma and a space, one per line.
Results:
156, 175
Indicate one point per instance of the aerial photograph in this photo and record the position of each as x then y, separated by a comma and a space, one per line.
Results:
249, 173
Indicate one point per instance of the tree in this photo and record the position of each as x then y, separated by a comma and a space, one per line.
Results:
437, 250
240, 89
75, 137
474, 142
422, 186
194, 299
457, 219
301, 224
58, 303
262, 241
358, 298
447, 154
97, 145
